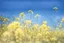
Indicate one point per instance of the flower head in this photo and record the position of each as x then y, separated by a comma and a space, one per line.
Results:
27, 22
36, 26
30, 11
55, 8
22, 14
17, 19
14, 25
37, 15
45, 22
62, 19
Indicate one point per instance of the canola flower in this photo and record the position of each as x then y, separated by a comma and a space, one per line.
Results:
6, 19
30, 11
59, 42
31, 14
44, 26
22, 14
17, 19
36, 26
14, 25
27, 22
37, 16
1, 18
19, 34
62, 19
30, 33
45, 22
55, 8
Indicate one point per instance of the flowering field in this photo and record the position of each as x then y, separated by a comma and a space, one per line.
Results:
27, 32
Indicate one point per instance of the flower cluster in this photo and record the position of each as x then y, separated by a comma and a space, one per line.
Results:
27, 32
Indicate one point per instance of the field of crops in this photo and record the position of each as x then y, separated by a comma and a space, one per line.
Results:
27, 32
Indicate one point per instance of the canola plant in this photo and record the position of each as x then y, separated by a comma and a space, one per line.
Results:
27, 32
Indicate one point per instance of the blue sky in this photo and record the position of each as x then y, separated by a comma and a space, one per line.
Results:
42, 7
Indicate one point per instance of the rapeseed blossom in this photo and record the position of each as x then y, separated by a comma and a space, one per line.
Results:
27, 22
17, 19
62, 19
30, 11
22, 14
29, 32
14, 25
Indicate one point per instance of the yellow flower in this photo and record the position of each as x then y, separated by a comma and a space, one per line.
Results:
28, 22
17, 19
17, 40
30, 11
62, 19
60, 25
57, 28
20, 32
36, 26
6, 34
14, 25
45, 22
6, 20
22, 14
28, 37
53, 39
47, 32
37, 15
17, 37
12, 42
43, 26
59, 42
39, 35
